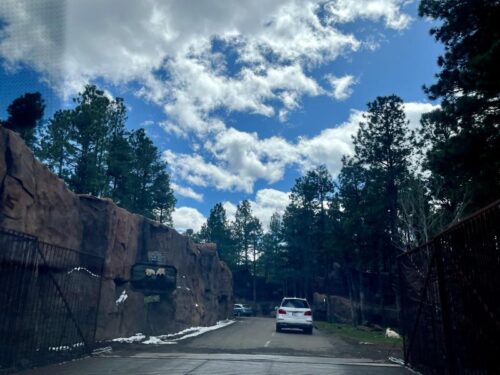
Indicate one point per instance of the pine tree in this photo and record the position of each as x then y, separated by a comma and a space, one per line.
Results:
305, 228
217, 230
25, 112
57, 149
96, 120
463, 135
163, 196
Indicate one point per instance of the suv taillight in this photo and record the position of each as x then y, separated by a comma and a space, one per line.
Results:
281, 311
308, 313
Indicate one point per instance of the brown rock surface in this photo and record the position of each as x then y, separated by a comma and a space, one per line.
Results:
35, 201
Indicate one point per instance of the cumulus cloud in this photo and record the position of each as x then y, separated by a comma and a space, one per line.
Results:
187, 218
236, 159
265, 204
187, 192
348, 11
341, 86
414, 111
200, 61
168, 49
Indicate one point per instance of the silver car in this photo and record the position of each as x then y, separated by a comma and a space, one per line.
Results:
294, 313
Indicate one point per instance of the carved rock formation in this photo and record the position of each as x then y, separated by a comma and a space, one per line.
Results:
35, 201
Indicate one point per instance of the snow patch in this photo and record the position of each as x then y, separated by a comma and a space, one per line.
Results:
173, 338
138, 337
65, 347
79, 269
123, 297
156, 341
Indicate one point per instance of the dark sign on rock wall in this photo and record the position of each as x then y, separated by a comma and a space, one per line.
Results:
152, 278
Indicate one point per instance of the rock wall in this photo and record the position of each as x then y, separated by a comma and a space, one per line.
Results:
35, 201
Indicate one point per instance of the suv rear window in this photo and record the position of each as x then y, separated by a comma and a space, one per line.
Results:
296, 303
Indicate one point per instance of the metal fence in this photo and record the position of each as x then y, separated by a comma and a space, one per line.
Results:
49, 299
450, 298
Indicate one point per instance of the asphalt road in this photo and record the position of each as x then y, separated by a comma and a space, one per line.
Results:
250, 346
258, 335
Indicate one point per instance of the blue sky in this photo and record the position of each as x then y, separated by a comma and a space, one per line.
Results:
240, 97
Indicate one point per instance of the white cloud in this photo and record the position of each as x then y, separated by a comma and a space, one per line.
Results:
187, 192
265, 204
169, 50
230, 210
330, 145
341, 86
348, 11
187, 218
146, 123
236, 159
414, 111
166, 48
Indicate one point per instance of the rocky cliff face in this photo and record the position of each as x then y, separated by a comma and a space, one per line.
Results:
35, 201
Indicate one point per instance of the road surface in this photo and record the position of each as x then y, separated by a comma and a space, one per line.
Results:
250, 346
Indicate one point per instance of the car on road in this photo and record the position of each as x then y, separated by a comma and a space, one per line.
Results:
242, 310
294, 313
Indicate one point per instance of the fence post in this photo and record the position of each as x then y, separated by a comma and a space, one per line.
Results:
445, 309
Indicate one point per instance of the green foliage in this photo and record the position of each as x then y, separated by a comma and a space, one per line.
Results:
362, 334
94, 120
306, 228
90, 149
246, 231
273, 258
463, 136
56, 147
25, 112
217, 230
382, 151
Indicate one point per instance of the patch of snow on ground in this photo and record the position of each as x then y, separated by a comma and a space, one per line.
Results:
156, 341
173, 338
65, 347
123, 297
129, 340
82, 269
196, 331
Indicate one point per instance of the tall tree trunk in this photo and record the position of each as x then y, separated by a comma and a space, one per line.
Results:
361, 297
351, 295
254, 278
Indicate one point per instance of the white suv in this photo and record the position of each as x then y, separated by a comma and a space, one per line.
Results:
294, 313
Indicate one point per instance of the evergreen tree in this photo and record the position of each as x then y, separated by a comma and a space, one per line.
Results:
120, 159
142, 173
305, 228
217, 230
383, 147
463, 135
25, 112
96, 120
273, 257
246, 229
57, 148
370, 186
163, 196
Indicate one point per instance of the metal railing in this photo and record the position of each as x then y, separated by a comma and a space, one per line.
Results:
49, 298
450, 298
